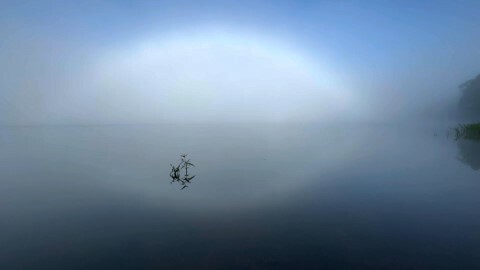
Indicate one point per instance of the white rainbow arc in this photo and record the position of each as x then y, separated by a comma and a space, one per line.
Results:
218, 75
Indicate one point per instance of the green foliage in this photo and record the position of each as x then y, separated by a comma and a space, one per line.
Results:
469, 132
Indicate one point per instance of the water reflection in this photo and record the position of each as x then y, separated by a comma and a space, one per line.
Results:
180, 173
468, 142
469, 152
275, 208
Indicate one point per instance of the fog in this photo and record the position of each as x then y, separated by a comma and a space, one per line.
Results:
214, 61
239, 134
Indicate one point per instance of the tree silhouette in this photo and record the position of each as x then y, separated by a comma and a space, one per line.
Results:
470, 101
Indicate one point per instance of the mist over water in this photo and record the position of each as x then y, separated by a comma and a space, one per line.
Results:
320, 135
139, 63
198, 76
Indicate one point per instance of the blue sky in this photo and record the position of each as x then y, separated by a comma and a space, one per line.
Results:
397, 56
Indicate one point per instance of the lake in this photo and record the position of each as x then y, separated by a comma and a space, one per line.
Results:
264, 196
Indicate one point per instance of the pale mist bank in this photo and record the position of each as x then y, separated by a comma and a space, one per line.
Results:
200, 75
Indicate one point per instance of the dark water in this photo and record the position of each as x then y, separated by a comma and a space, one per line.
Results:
264, 197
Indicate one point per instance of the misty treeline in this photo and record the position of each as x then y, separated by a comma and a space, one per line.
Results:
469, 107
469, 104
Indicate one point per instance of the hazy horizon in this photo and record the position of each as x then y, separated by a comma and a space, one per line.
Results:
222, 61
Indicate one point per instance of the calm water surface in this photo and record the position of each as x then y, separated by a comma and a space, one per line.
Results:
264, 197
